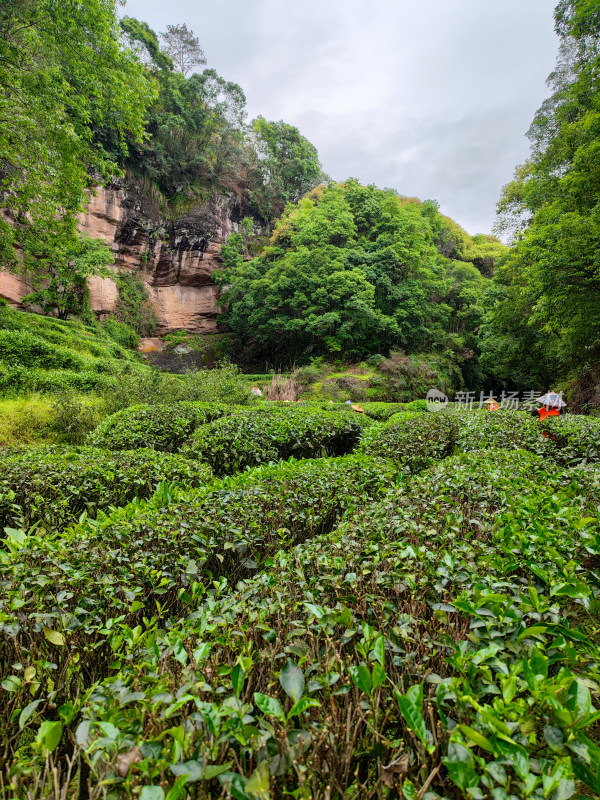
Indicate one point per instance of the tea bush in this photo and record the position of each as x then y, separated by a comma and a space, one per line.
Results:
383, 411
414, 441
17, 381
222, 384
88, 340
482, 430
162, 427
43, 354
159, 557
402, 416
409, 651
257, 436
573, 439
24, 349
55, 486
325, 628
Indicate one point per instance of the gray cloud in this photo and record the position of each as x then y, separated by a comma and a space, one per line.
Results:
431, 98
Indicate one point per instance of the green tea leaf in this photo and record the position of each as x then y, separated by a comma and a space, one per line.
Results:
361, 677
269, 705
302, 705
54, 637
152, 793
49, 734
238, 676
258, 784
28, 712
477, 738
412, 714
191, 769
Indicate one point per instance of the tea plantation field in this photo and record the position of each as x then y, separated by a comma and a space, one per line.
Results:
220, 601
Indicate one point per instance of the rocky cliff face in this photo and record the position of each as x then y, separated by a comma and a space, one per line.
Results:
175, 259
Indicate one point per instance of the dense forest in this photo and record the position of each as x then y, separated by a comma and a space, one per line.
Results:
339, 271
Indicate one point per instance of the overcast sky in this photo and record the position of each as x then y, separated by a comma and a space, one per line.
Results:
430, 97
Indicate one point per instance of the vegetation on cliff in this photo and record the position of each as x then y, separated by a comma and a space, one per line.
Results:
352, 271
86, 98
63, 72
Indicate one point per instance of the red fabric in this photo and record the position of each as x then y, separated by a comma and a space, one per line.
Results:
548, 412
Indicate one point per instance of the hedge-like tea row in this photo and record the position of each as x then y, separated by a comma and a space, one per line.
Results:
483, 430
414, 441
573, 439
55, 486
569, 440
16, 380
258, 436
456, 649
162, 427
169, 549
383, 411
23, 348
418, 441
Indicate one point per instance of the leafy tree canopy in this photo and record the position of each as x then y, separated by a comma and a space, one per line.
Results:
183, 47
544, 321
353, 270
63, 71
61, 266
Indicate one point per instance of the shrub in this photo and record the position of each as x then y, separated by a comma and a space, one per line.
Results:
24, 420
219, 385
161, 427
72, 418
417, 405
122, 333
572, 439
384, 635
415, 442
16, 381
23, 348
222, 384
257, 436
483, 430
55, 486
158, 558
383, 411
133, 304
402, 416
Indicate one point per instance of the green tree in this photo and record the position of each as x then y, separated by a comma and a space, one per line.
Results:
553, 274
60, 266
183, 48
351, 270
289, 164
63, 72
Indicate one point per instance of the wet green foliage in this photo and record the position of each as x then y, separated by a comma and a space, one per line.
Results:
543, 318
383, 411
44, 354
351, 271
574, 439
54, 486
413, 440
162, 427
408, 623
484, 430
258, 436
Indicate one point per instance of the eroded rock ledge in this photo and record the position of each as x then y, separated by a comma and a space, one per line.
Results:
174, 258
